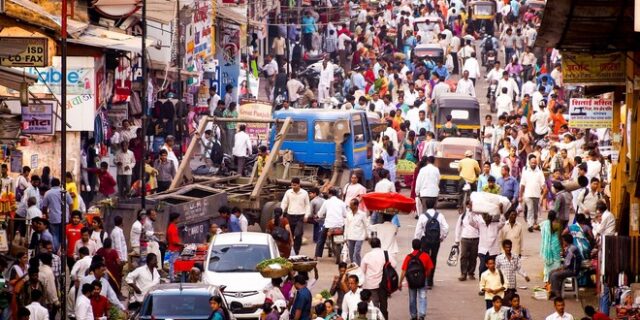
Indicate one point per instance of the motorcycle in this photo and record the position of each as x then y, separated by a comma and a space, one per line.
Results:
490, 60
311, 75
335, 242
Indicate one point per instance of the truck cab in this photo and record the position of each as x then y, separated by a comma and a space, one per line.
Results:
329, 139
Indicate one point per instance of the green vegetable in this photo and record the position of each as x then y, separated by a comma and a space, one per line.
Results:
325, 294
281, 261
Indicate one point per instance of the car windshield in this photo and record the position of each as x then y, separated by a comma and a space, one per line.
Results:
237, 257
177, 306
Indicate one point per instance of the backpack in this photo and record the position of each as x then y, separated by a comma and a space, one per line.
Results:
415, 272
488, 44
432, 229
279, 233
390, 279
216, 153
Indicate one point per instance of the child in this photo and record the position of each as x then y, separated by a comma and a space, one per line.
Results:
262, 158
107, 182
492, 283
496, 311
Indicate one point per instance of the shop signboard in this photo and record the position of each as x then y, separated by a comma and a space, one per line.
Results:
229, 58
82, 97
593, 69
590, 113
34, 52
37, 118
257, 131
198, 34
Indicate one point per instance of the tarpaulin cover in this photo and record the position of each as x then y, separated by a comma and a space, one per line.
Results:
383, 201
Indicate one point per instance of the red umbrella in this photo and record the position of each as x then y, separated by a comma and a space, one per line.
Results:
379, 201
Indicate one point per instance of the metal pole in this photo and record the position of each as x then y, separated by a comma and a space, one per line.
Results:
63, 156
145, 101
249, 52
179, 66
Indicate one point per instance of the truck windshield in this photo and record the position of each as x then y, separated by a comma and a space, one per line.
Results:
297, 131
323, 131
238, 257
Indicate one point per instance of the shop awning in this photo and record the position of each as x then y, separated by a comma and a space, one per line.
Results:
36, 15
588, 25
163, 11
13, 78
233, 14
102, 38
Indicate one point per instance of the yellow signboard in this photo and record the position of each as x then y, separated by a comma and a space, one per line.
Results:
593, 69
28, 52
257, 131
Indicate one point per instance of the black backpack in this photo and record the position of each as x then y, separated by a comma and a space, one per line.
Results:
431, 229
415, 272
524, 314
390, 279
216, 153
279, 233
488, 44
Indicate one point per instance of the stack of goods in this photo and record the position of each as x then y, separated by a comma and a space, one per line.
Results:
274, 268
303, 263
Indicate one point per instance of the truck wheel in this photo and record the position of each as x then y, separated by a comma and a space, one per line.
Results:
267, 213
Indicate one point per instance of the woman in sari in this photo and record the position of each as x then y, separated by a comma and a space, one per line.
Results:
284, 245
112, 262
582, 235
381, 85
550, 249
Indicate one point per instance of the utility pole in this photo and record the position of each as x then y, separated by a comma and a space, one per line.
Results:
63, 158
249, 69
145, 102
179, 66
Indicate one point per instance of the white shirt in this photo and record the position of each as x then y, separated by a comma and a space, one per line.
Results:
356, 225
334, 211
465, 86
428, 181
128, 162
536, 98
464, 229
135, 234
529, 88
540, 121
385, 185
372, 266
494, 74
510, 84
593, 169
350, 304
119, 242
83, 309
422, 223
440, 88
293, 86
326, 75
213, 103
533, 182
556, 316
80, 268
243, 222
413, 115
608, 225
387, 232
504, 104
38, 312
491, 313
352, 191
393, 136
33, 212
473, 67
144, 279
107, 291
342, 39
242, 144
296, 203
489, 234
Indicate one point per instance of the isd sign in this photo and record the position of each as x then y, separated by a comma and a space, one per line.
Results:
32, 52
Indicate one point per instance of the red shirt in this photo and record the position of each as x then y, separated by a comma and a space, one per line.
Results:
426, 261
173, 239
600, 316
73, 235
107, 182
100, 306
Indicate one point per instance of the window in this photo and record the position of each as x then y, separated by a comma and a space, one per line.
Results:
358, 128
171, 306
238, 257
323, 131
460, 114
297, 131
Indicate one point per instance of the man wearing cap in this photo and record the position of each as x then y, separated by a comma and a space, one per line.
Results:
469, 169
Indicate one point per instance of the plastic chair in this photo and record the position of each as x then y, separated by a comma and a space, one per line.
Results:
570, 287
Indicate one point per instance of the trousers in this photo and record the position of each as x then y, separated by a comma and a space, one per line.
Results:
532, 205
432, 250
296, 222
468, 255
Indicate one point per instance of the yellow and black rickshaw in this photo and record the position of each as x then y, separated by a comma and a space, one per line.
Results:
449, 153
482, 14
465, 115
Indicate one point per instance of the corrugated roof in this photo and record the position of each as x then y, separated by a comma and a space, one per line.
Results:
588, 25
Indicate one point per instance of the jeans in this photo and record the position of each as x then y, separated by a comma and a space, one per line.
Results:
487, 151
124, 185
418, 302
56, 229
556, 277
508, 55
432, 250
157, 144
468, 256
355, 246
380, 298
163, 185
173, 256
532, 205
230, 140
317, 230
482, 267
322, 239
240, 161
306, 40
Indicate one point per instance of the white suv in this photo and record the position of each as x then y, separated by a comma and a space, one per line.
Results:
231, 262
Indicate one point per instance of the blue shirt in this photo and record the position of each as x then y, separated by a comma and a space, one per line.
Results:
53, 201
308, 24
234, 224
358, 81
515, 8
509, 187
442, 71
302, 302
483, 180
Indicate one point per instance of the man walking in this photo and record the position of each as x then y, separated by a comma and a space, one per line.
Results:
532, 185
51, 205
431, 229
427, 186
467, 236
416, 268
295, 203
333, 212
509, 264
241, 148
372, 267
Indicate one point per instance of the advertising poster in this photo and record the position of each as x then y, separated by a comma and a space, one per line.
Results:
249, 87
257, 131
198, 33
590, 113
229, 58
37, 118
593, 69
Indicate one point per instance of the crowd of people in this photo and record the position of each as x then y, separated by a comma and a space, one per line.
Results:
530, 157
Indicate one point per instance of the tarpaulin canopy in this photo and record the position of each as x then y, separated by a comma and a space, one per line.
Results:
375, 201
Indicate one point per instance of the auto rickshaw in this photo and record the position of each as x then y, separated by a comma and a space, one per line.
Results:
427, 28
449, 152
464, 111
430, 51
482, 14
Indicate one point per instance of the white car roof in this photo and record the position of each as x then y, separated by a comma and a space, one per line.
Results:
242, 237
